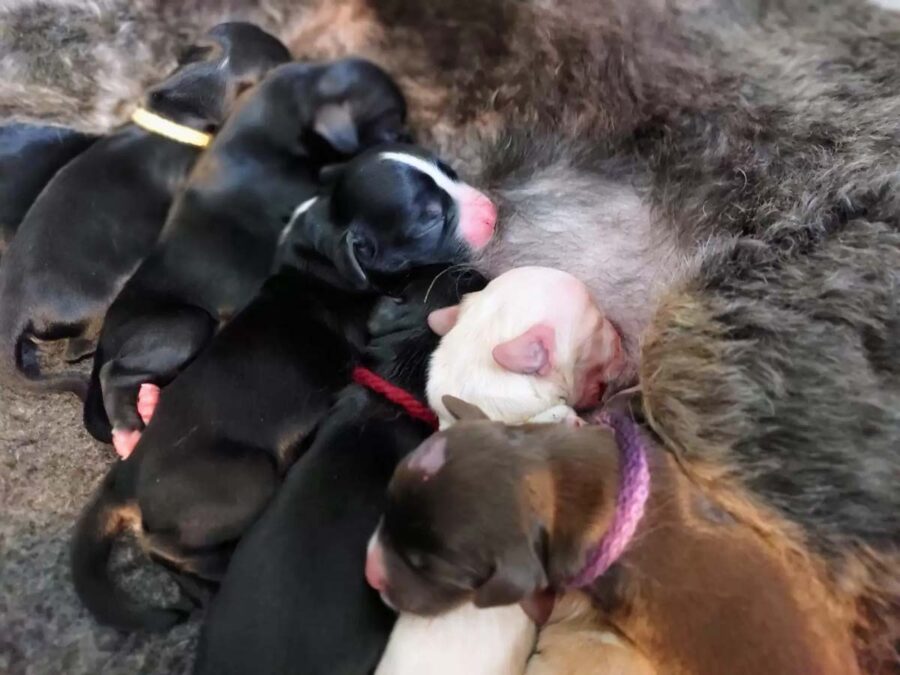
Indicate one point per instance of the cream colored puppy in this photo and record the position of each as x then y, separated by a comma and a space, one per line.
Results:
531, 347
465, 641
532, 340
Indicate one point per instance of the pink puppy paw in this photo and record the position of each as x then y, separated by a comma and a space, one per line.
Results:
124, 441
573, 420
148, 399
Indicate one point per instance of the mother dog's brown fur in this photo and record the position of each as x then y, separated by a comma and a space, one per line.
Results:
762, 135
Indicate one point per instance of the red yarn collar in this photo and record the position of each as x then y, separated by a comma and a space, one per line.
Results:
413, 407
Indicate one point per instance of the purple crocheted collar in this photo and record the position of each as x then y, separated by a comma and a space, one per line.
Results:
630, 502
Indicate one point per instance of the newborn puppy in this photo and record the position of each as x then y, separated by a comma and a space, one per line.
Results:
224, 435
30, 154
466, 639
704, 583
531, 342
294, 598
100, 215
392, 209
527, 347
219, 241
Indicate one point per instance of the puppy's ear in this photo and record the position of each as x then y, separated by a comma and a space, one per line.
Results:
202, 49
517, 575
388, 128
347, 263
245, 82
334, 122
461, 410
442, 320
531, 353
329, 174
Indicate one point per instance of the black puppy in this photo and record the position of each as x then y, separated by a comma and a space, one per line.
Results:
221, 440
218, 244
353, 225
30, 154
101, 214
294, 598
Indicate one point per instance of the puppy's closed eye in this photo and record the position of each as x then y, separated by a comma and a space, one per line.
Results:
431, 219
433, 210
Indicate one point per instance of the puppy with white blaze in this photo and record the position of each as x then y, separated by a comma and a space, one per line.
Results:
389, 210
533, 346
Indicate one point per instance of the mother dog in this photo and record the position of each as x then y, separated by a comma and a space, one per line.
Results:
722, 172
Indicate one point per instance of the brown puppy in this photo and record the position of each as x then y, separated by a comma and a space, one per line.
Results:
494, 514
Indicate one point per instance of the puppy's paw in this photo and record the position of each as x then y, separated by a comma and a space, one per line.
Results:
124, 441
573, 420
148, 399
559, 414
392, 315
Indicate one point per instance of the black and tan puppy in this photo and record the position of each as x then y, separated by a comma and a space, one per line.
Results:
223, 436
294, 598
101, 214
705, 583
30, 155
354, 223
219, 241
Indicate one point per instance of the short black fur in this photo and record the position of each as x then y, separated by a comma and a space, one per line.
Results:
295, 592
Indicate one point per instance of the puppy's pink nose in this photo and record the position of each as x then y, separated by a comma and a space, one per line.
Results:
477, 217
375, 569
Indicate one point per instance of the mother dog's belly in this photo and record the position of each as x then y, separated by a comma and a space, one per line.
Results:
598, 229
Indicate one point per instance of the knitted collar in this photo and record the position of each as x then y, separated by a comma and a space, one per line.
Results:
397, 395
634, 489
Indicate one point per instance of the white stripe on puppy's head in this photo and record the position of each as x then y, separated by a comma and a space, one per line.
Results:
477, 213
441, 179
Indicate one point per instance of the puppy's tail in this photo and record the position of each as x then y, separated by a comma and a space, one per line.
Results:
106, 517
19, 365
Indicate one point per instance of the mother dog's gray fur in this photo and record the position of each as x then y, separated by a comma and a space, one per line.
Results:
735, 161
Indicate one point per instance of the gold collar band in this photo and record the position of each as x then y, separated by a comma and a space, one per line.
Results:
164, 127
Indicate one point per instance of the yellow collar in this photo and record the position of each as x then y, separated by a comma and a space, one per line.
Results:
165, 127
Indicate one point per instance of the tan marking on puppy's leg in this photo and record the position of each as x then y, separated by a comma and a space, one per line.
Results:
125, 517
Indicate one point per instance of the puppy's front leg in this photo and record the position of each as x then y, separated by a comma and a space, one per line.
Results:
158, 348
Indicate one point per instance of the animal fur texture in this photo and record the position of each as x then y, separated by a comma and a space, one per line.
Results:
464, 640
724, 174
569, 352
